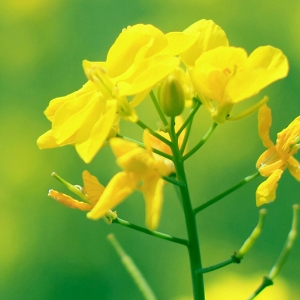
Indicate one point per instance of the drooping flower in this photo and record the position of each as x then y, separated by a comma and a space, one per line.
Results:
277, 157
143, 171
90, 193
140, 57
225, 76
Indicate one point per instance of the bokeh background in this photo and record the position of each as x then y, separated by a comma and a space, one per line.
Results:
48, 251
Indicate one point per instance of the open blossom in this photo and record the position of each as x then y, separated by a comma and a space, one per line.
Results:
225, 76
278, 156
140, 57
143, 171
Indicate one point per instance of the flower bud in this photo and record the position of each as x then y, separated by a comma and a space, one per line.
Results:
171, 96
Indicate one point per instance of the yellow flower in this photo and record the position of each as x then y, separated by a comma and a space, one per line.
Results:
84, 119
277, 157
140, 57
225, 76
91, 191
143, 171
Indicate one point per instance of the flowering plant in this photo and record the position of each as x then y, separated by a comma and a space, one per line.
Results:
181, 71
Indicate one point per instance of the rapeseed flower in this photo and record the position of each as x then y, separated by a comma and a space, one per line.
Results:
278, 156
90, 193
143, 171
225, 76
140, 57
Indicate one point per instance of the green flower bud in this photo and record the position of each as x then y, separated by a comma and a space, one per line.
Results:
171, 96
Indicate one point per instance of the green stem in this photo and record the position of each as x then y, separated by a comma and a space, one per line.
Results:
288, 245
193, 243
204, 139
172, 180
191, 116
232, 259
225, 193
132, 269
157, 234
163, 154
157, 135
158, 108
266, 282
186, 136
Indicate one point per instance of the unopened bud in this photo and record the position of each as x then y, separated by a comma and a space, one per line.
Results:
171, 96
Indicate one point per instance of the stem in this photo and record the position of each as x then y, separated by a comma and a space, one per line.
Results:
163, 154
232, 259
191, 115
186, 136
204, 139
225, 193
132, 269
158, 108
172, 180
157, 234
193, 243
266, 282
288, 245
157, 135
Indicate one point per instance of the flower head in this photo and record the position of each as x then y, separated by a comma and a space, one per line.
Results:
142, 171
140, 57
277, 157
225, 76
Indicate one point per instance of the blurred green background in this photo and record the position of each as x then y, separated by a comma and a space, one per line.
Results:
51, 252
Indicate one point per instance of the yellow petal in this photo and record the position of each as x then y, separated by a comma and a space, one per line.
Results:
269, 161
137, 161
210, 36
71, 116
264, 66
120, 146
119, 187
127, 49
47, 140
90, 140
153, 193
148, 74
56, 103
294, 167
214, 70
287, 138
266, 191
264, 124
179, 42
92, 187
69, 201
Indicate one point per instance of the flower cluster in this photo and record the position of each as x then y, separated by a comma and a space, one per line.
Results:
277, 157
195, 65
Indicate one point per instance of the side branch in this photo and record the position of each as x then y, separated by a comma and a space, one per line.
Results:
150, 232
163, 154
203, 140
157, 135
225, 193
232, 259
